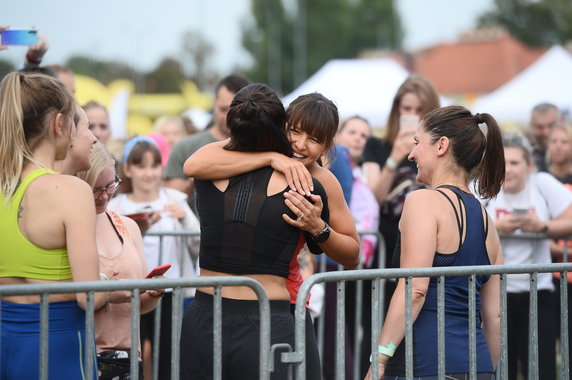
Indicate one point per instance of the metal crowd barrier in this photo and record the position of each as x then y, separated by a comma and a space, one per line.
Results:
136, 285
377, 275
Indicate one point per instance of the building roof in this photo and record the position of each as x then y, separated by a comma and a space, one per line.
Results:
478, 64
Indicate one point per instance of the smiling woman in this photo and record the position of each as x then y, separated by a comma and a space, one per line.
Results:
446, 226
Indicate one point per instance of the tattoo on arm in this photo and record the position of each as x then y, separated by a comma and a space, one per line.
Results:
20, 210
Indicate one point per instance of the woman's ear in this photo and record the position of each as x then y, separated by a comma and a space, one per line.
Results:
443, 145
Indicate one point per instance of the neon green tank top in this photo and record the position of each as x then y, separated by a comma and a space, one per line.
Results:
18, 256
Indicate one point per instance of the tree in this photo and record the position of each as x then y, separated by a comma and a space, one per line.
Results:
104, 71
6, 67
166, 78
535, 23
288, 42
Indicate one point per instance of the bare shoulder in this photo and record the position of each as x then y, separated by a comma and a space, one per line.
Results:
422, 197
61, 186
325, 176
131, 226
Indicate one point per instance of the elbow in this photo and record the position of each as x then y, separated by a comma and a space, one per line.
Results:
352, 261
189, 169
351, 264
418, 296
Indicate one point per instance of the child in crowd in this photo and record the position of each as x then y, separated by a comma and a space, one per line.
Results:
161, 209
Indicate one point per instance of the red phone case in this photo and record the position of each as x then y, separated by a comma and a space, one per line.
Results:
158, 271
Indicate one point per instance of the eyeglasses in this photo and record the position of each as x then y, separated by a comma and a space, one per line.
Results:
109, 189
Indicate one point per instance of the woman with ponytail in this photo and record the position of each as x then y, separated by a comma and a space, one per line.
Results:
47, 228
442, 226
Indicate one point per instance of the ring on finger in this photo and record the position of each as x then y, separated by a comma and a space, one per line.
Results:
300, 217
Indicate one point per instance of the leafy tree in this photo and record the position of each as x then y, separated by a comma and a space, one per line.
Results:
166, 78
6, 67
104, 71
535, 23
329, 29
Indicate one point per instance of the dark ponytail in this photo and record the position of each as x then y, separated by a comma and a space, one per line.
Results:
479, 152
491, 171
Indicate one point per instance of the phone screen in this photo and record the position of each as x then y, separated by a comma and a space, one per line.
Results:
408, 122
19, 37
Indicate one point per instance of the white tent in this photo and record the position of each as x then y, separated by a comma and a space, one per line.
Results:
549, 79
363, 87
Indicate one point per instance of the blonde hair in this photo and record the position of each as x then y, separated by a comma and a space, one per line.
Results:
26, 102
100, 158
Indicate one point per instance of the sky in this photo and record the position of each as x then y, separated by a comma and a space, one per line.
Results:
143, 32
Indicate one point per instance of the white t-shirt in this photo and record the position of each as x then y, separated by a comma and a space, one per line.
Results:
548, 198
182, 265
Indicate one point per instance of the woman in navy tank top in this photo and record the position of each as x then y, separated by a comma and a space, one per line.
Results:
446, 226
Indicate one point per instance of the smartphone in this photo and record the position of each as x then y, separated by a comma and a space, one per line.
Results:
140, 216
19, 37
408, 122
158, 271
520, 211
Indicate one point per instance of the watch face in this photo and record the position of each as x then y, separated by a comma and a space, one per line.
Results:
323, 235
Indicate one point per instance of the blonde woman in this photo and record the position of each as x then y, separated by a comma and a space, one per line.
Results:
120, 249
47, 227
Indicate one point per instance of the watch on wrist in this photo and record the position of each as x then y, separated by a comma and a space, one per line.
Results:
323, 235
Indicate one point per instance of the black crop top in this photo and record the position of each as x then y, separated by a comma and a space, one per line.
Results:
242, 230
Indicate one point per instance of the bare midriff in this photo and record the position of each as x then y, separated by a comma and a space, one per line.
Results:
275, 286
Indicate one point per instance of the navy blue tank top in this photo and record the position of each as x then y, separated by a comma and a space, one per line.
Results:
471, 251
242, 229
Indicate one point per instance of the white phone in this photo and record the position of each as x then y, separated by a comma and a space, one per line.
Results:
408, 122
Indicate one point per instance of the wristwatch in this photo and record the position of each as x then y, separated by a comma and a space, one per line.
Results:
323, 235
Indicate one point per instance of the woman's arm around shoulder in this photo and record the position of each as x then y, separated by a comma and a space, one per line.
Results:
343, 244
75, 200
212, 162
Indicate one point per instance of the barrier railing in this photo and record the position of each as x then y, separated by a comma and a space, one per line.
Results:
376, 275
135, 286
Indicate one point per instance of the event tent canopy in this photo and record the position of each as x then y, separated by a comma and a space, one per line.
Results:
363, 87
549, 79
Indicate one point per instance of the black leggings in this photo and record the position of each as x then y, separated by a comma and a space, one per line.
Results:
517, 331
240, 338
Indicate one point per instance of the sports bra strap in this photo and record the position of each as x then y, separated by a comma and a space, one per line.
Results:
460, 221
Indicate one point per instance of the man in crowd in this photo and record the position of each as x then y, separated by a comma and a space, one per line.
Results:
224, 92
543, 117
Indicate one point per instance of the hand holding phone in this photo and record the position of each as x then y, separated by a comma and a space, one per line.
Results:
19, 37
158, 271
520, 211
408, 122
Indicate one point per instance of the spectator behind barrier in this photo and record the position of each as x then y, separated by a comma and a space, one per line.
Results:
532, 202
543, 117
156, 209
120, 249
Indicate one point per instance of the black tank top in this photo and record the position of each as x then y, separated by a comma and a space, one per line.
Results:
242, 230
